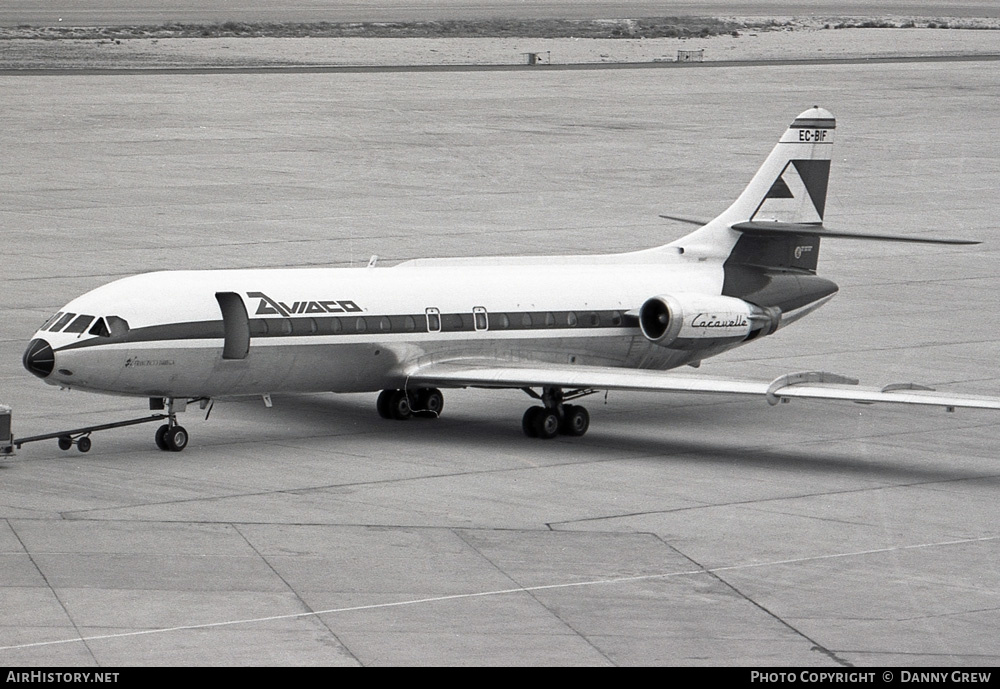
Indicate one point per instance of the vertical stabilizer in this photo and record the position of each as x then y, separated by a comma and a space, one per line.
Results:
790, 186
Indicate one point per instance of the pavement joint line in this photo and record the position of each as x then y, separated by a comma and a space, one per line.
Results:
775, 499
502, 592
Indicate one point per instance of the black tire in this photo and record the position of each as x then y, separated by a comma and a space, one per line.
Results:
65, 442
547, 424
576, 421
528, 421
428, 403
176, 438
83, 444
161, 437
384, 404
400, 405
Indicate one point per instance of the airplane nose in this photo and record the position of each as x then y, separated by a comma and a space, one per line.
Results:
39, 358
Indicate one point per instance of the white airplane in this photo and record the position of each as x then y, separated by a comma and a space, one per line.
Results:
558, 327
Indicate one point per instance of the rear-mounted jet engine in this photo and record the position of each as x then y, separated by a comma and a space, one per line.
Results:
689, 320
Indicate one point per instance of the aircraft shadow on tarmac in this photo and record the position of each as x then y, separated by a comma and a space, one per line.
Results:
480, 432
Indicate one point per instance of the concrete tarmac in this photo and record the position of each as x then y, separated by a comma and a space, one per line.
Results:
681, 530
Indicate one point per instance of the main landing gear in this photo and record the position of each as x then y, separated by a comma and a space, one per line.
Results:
556, 417
402, 404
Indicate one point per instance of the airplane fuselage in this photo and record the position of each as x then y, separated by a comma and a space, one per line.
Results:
360, 329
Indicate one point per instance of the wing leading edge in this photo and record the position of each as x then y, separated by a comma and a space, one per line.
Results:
815, 385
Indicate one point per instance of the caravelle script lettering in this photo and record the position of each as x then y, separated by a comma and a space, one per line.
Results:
705, 320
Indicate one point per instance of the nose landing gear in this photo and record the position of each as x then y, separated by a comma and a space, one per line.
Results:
171, 438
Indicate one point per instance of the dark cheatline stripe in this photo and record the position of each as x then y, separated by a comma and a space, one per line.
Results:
196, 330
304, 326
814, 124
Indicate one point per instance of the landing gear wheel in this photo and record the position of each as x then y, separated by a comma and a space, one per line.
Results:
161, 437
547, 424
428, 403
576, 420
83, 444
176, 438
384, 404
528, 421
399, 405
65, 442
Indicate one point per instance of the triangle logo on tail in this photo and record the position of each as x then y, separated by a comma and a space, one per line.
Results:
798, 195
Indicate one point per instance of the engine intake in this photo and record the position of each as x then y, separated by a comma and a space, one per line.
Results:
687, 318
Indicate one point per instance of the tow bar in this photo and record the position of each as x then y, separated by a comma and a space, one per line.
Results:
67, 439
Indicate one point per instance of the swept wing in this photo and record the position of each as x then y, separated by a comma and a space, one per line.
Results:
818, 385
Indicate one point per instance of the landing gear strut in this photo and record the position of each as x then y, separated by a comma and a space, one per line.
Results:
403, 404
171, 437
556, 417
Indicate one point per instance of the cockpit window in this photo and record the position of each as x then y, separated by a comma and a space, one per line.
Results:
61, 323
79, 325
117, 326
48, 324
100, 329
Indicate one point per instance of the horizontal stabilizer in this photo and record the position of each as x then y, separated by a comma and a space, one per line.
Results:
688, 221
770, 228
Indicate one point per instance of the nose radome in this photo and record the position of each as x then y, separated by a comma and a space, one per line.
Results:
39, 358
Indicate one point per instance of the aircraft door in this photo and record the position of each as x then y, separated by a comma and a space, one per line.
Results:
235, 324
433, 320
479, 318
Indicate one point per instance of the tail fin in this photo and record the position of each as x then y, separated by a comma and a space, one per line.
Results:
777, 222
789, 187
791, 184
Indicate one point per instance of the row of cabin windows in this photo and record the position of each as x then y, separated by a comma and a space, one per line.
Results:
433, 321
